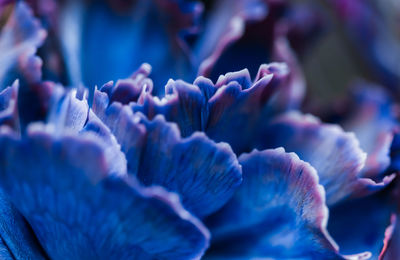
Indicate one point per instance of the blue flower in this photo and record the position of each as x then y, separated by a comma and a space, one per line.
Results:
187, 157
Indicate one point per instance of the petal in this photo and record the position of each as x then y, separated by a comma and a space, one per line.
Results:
279, 204
184, 104
17, 239
373, 121
8, 106
70, 112
112, 150
335, 154
148, 31
224, 26
19, 39
204, 173
392, 240
79, 211
360, 224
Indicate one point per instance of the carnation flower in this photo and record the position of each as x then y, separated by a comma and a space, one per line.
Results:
173, 129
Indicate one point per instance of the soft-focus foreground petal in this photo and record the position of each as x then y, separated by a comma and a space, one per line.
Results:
203, 172
373, 120
335, 154
19, 39
16, 238
78, 210
279, 211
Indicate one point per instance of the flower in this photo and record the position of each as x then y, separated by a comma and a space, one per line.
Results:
214, 165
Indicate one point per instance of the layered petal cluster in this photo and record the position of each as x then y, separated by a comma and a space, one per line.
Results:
213, 167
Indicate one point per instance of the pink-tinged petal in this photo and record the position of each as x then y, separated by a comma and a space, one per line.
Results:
279, 211
19, 40
391, 250
373, 120
203, 172
335, 154
388, 252
78, 209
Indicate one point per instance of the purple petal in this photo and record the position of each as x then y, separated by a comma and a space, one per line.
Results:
279, 203
204, 173
335, 154
64, 184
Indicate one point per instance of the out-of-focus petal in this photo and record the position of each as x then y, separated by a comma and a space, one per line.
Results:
204, 173
279, 211
78, 209
359, 225
8, 106
19, 39
335, 154
145, 31
391, 250
376, 43
373, 120
17, 239
225, 25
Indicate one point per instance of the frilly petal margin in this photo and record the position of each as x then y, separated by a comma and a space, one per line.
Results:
64, 183
335, 154
203, 172
233, 102
391, 249
279, 204
19, 39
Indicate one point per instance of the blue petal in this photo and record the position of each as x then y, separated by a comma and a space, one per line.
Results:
204, 173
19, 39
373, 120
335, 154
112, 150
17, 239
359, 225
184, 104
71, 111
146, 31
279, 211
79, 211
8, 106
